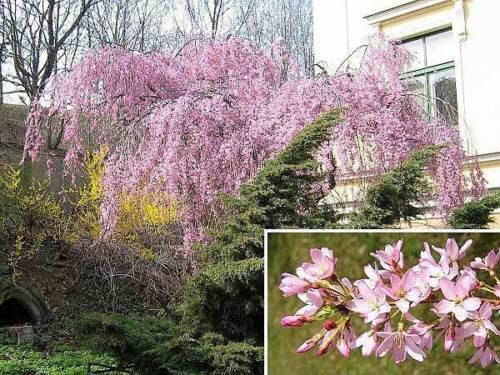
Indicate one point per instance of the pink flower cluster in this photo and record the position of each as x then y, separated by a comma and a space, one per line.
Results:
202, 122
463, 305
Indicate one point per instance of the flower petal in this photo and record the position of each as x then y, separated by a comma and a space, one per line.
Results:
444, 307
366, 292
491, 259
464, 248
476, 356
385, 346
409, 280
489, 325
399, 353
414, 351
468, 329
316, 255
314, 296
307, 310
478, 341
485, 310
343, 348
448, 288
403, 305
452, 248
486, 358
460, 312
472, 303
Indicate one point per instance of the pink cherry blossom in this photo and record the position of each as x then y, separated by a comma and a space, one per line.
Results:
452, 251
480, 325
440, 270
323, 264
391, 257
347, 341
371, 304
456, 300
454, 335
424, 332
488, 263
403, 290
343, 339
203, 122
437, 270
291, 285
368, 341
497, 290
485, 355
464, 310
313, 301
400, 343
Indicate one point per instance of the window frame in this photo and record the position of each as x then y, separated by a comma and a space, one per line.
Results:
427, 71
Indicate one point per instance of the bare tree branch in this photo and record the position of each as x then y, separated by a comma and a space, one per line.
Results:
39, 34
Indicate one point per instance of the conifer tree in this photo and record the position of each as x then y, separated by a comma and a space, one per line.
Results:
226, 296
399, 195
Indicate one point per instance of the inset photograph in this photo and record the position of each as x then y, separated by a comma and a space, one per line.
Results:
383, 302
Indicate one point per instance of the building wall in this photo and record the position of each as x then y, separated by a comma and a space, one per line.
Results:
340, 26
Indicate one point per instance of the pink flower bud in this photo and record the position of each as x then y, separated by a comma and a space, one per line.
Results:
343, 348
305, 347
293, 321
291, 285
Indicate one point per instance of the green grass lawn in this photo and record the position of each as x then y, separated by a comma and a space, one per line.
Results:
286, 251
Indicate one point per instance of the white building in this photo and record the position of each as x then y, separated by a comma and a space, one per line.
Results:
456, 42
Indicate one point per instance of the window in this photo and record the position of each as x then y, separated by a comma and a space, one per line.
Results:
432, 73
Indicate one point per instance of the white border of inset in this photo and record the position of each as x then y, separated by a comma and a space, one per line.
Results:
406, 230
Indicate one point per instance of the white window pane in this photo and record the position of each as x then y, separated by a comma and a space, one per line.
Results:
416, 48
439, 48
444, 92
416, 87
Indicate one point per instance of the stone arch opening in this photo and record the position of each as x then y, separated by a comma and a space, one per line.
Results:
20, 305
15, 313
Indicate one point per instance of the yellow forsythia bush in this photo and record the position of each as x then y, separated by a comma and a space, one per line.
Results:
137, 212
89, 195
144, 210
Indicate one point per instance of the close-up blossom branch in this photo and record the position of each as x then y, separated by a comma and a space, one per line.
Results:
461, 297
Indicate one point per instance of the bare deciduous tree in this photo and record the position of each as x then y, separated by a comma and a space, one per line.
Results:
43, 36
285, 20
40, 37
135, 25
215, 18
261, 21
